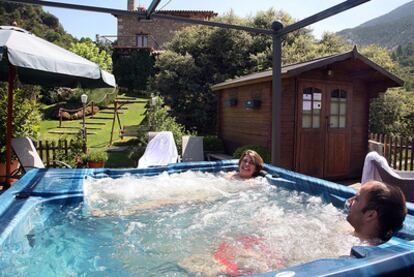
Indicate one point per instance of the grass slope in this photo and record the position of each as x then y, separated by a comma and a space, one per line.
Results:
132, 116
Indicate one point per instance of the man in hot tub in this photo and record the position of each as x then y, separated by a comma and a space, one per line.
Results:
377, 211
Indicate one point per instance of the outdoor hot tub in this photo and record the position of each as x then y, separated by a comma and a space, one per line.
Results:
37, 200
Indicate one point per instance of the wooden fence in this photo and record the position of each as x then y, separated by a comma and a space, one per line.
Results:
399, 151
48, 151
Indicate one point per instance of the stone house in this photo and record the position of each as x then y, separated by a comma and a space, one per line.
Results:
136, 33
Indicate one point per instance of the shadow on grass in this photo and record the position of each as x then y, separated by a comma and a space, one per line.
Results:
119, 160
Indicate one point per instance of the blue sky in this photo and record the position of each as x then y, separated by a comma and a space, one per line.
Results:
88, 24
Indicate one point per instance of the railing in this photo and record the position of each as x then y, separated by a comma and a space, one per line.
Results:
399, 151
48, 151
61, 110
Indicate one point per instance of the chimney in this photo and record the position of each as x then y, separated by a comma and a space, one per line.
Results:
131, 5
141, 8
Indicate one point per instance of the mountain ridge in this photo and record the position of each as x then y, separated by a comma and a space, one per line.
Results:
390, 30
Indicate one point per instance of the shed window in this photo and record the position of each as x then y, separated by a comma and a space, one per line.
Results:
142, 41
337, 118
311, 108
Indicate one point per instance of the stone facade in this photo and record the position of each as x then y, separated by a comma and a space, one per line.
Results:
153, 33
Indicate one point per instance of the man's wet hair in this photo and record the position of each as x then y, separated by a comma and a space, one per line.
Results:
389, 202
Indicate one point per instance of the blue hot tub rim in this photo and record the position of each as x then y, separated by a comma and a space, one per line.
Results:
393, 257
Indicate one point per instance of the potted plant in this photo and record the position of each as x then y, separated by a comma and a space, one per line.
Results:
96, 158
13, 166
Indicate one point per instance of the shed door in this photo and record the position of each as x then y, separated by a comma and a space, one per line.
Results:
323, 135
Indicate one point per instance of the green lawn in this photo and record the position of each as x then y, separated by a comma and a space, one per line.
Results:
133, 115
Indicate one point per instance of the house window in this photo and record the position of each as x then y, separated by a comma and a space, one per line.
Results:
337, 118
142, 40
311, 108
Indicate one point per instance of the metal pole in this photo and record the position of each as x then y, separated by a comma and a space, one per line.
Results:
84, 128
12, 76
152, 7
346, 5
276, 93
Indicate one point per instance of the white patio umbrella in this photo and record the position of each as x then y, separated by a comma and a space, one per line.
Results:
36, 61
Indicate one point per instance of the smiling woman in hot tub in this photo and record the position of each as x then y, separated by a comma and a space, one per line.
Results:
250, 165
129, 195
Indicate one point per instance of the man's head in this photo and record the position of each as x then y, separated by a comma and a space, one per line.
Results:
377, 210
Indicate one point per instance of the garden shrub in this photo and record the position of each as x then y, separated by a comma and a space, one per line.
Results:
213, 144
262, 151
26, 115
75, 151
158, 119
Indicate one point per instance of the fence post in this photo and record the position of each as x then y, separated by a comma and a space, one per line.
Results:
47, 154
401, 153
412, 154
386, 148
53, 148
65, 143
405, 152
392, 150
92, 109
40, 150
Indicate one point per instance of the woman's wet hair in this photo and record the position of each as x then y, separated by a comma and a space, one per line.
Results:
257, 160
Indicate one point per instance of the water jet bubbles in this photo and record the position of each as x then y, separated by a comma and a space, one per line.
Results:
194, 213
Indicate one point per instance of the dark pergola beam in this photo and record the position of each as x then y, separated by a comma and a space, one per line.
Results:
142, 15
152, 7
80, 7
321, 15
214, 24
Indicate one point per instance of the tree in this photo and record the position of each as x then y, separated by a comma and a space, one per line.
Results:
380, 56
199, 57
132, 71
392, 113
35, 20
26, 115
88, 49
405, 57
178, 75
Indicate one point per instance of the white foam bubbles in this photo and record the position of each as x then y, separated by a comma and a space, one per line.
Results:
186, 217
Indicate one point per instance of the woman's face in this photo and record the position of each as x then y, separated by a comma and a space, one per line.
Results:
247, 167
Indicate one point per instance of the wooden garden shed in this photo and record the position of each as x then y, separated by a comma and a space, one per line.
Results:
325, 111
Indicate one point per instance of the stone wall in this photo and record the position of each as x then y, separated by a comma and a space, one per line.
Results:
159, 31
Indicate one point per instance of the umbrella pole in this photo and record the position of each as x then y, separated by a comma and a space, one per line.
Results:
12, 76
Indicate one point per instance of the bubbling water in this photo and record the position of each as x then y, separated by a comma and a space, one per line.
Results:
210, 224
188, 224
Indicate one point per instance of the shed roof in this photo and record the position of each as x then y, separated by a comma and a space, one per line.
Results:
298, 68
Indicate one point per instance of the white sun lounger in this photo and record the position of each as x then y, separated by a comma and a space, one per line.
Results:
376, 168
161, 150
27, 154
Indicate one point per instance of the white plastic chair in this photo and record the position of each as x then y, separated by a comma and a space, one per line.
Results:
161, 150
